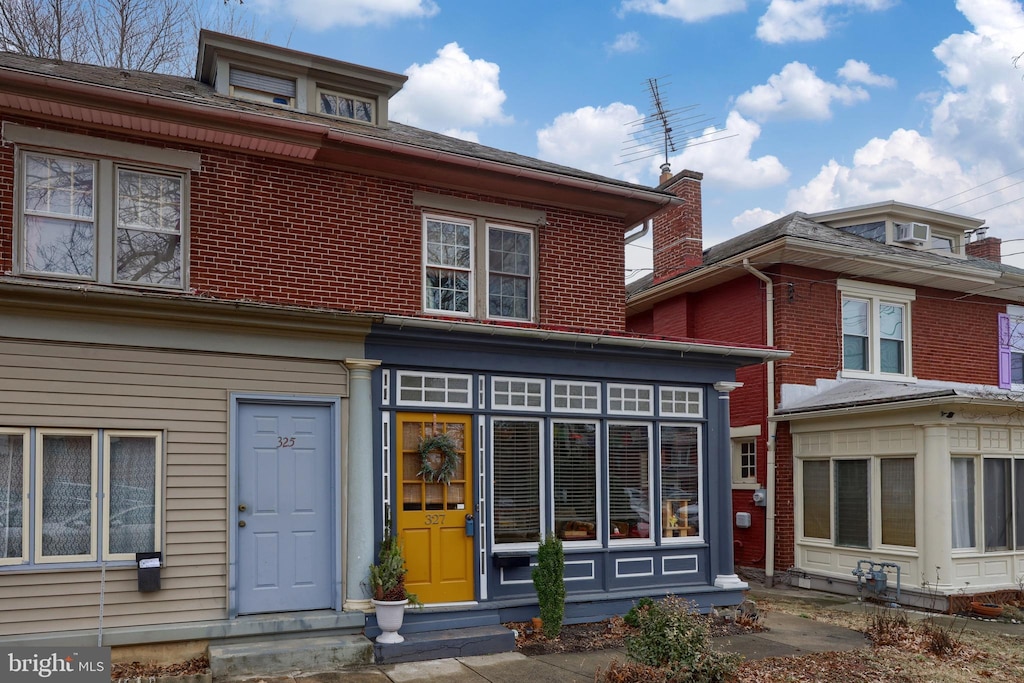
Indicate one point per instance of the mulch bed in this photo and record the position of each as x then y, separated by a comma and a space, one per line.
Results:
601, 635
134, 670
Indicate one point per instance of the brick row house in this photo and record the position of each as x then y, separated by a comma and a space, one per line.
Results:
888, 450
236, 307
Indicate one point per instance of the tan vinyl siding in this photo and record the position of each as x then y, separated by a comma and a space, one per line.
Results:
185, 394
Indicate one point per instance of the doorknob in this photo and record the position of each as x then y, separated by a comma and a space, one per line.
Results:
241, 508
241, 522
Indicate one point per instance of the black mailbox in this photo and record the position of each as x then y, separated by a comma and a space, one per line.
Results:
149, 571
509, 561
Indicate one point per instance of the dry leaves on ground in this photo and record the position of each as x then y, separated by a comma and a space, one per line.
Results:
133, 670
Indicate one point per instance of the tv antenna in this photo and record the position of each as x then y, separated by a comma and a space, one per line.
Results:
656, 133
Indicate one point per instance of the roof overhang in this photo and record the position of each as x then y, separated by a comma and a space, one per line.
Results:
157, 117
895, 404
905, 267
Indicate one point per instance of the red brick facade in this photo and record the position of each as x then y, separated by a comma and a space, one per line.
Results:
358, 246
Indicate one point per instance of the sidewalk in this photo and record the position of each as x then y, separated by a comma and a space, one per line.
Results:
787, 636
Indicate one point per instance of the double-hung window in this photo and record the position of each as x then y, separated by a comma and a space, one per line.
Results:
87, 215
876, 330
478, 268
71, 496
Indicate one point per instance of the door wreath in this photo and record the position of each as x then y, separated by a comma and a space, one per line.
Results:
439, 458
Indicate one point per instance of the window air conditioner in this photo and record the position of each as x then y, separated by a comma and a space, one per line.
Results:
912, 233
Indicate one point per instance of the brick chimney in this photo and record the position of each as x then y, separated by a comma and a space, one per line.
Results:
678, 230
982, 246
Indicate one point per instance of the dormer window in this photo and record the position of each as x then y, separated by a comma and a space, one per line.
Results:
249, 85
345, 106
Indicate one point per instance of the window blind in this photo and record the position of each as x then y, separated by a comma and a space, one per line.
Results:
516, 471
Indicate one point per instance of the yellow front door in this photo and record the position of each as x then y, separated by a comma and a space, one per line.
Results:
431, 519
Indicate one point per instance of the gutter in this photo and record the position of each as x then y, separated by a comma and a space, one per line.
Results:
593, 339
773, 427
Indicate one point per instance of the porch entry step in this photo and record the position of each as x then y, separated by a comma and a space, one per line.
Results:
284, 654
441, 644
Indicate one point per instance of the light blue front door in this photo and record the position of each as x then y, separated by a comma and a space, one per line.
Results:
285, 504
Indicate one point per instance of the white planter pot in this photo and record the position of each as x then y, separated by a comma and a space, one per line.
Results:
390, 614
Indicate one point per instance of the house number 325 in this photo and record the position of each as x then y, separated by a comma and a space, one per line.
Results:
285, 441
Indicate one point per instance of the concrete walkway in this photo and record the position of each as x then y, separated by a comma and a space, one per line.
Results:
786, 636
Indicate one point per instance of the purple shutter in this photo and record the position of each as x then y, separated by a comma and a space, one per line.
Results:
1004, 351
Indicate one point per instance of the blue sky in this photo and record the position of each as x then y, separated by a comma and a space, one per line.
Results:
810, 104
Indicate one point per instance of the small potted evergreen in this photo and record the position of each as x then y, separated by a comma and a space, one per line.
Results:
387, 587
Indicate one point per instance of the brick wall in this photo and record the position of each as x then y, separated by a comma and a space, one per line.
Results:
288, 233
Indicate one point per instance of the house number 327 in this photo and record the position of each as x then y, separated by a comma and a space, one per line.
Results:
285, 441
434, 519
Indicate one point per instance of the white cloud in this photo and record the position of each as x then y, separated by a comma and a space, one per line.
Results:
796, 93
451, 93
805, 20
591, 138
855, 71
685, 10
320, 15
754, 218
625, 42
974, 140
726, 161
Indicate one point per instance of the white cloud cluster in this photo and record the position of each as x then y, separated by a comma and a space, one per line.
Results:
974, 140
625, 42
726, 161
591, 138
320, 15
855, 71
803, 20
686, 10
797, 93
452, 94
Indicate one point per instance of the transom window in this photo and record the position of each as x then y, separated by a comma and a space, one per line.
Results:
433, 389
497, 283
73, 470
523, 394
680, 401
626, 399
345, 106
577, 397
876, 330
67, 230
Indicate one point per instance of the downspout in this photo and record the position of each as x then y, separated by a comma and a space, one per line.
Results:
769, 534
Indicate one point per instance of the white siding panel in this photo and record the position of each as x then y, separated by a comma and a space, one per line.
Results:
186, 394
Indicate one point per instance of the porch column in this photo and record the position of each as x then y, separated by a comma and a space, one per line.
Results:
360, 485
934, 491
720, 465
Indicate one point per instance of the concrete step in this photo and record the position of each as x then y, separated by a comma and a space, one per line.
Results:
442, 644
284, 654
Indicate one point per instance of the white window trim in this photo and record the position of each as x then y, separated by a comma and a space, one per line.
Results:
568, 385
399, 401
740, 482
876, 295
479, 269
543, 476
527, 380
675, 414
653, 528
597, 541
26, 501
157, 486
37, 508
701, 507
622, 411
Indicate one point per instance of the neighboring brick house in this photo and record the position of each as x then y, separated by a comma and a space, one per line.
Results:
893, 438
235, 307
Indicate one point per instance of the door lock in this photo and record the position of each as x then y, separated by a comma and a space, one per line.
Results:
241, 522
470, 526
241, 508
